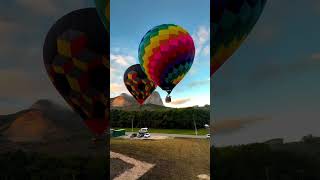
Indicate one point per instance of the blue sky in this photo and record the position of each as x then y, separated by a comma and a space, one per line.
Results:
273, 76
130, 20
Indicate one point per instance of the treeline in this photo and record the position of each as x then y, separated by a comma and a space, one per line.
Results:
33, 166
165, 118
258, 161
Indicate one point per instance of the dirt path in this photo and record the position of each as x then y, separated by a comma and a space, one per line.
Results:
138, 170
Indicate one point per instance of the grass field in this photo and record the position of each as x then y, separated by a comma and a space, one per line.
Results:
174, 158
170, 131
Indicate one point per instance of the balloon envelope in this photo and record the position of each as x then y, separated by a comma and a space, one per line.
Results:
103, 8
232, 22
166, 54
138, 83
76, 57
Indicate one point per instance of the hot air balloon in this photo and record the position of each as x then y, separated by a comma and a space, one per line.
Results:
166, 54
232, 22
76, 58
138, 83
103, 8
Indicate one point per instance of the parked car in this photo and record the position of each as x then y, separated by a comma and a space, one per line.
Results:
146, 135
139, 135
143, 130
133, 135
208, 136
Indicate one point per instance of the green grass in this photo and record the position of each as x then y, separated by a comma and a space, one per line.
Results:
173, 158
170, 131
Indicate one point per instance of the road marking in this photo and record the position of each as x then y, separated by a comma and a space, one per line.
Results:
139, 169
203, 177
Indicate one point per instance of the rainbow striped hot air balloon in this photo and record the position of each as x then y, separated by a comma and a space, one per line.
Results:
232, 22
166, 54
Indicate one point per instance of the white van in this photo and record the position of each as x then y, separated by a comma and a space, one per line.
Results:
143, 130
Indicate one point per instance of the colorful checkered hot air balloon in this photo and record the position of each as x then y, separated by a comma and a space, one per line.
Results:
76, 57
103, 8
232, 22
138, 83
166, 54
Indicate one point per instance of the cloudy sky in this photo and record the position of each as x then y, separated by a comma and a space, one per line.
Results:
130, 20
272, 78
23, 27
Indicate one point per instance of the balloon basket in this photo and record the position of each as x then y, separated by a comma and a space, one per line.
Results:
168, 99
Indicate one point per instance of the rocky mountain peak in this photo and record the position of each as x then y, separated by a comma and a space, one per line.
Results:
154, 98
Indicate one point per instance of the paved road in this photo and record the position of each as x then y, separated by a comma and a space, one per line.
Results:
175, 135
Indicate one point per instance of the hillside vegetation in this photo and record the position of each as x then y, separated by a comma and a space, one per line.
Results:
262, 161
166, 118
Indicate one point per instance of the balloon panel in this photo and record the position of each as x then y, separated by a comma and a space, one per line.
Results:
166, 54
232, 22
138, 83
103, 8
76, 57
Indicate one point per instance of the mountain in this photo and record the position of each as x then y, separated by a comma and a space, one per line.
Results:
43, 121
155, 99
125, 100
6, 120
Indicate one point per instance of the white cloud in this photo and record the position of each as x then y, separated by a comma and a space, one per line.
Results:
201, 39
120, 60
117, 88
198, 83
193, 71
203, 34
206, 50
180, 101
123, 60
113, 70
117, 50
196, 100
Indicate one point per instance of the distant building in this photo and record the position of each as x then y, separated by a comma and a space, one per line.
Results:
310, 139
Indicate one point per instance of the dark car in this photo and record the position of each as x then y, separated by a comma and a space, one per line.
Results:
133, 135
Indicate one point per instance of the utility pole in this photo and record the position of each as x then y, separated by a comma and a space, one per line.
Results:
194, 122
132, 125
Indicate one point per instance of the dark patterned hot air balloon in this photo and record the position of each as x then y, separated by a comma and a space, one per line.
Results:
138, 83
232, 21
166, 54
76, 57
103, 8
